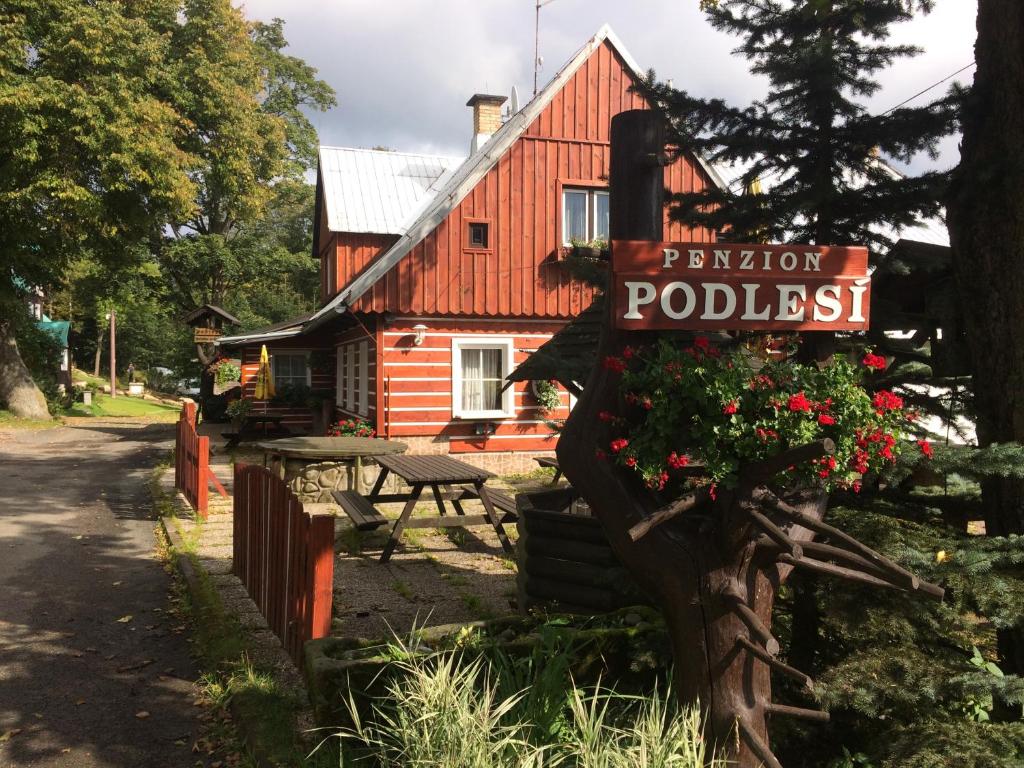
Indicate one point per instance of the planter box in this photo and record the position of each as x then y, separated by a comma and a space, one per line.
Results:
565, 560
628, 650
136, 389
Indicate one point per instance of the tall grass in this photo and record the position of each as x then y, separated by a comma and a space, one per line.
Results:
449, 710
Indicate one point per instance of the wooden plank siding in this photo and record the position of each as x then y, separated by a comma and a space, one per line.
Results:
417, 385
300, 418
520, 274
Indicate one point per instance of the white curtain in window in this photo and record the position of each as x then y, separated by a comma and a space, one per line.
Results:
574, 215
481, 379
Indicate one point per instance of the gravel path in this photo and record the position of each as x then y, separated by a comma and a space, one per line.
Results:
93, 670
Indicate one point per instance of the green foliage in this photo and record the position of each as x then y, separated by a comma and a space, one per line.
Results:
91, 158
227, 372
811, 142
904, 678
41, 353
238, 409
453, 709
548, 397
728, 408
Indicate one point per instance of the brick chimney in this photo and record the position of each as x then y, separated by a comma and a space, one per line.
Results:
486, 118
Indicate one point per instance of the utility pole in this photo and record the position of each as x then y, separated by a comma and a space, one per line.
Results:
113, 353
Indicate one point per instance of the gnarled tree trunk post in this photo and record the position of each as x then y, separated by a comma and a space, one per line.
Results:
713, 564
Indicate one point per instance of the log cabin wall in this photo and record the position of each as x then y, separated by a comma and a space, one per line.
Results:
320, 376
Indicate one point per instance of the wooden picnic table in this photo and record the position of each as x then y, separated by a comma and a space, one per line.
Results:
249, 428
442, 474
344, 448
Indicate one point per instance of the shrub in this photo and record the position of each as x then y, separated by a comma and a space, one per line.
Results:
352, 428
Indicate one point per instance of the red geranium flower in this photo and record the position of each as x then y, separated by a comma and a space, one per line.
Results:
886, 401
825, 420
677, 461
618, 444
874, 361
628, 352
701, 343
731, 407
631, 461
616, 364
926, 448
799, 403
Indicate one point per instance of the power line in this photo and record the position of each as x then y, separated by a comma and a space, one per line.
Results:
934, 85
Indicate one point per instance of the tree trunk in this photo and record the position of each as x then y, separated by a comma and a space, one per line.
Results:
99, 351
986, 226
17, 389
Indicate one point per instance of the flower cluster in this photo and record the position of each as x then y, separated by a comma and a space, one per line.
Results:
351, 428
697, 404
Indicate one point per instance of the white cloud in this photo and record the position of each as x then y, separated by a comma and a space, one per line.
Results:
403, 69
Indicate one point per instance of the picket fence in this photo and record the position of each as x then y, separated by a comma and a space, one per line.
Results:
192, 473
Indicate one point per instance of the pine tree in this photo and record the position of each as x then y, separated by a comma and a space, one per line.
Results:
811, 144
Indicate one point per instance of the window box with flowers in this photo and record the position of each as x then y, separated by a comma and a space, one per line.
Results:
352, 428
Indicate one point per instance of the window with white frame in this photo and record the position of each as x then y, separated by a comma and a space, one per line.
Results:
363, 394
479, 368
584, 215
339, 377
290, 368
350, 376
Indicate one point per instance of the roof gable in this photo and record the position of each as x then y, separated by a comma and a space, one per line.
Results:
461, 182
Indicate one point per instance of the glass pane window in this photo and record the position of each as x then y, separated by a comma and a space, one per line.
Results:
600, 215
482, 379
584, 215
290, 369
574, 215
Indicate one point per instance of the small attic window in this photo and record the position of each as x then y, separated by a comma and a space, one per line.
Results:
478, 236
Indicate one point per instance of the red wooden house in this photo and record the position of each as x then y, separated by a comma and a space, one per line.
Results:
439, 275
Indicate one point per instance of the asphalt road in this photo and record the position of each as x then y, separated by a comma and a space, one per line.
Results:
93, 670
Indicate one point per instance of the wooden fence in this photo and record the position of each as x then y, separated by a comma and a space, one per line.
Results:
284, 557
192, 473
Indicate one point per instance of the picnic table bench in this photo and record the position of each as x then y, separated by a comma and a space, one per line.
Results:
449, 480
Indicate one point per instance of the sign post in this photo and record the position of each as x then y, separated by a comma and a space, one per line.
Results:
734, 286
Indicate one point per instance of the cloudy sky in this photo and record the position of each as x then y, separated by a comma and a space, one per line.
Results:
403, 69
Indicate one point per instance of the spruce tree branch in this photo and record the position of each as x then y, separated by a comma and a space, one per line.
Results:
663, 515
778, 666
751, 619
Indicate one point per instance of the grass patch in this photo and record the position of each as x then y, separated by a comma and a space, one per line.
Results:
9, 421
475, 605
105, 405
456, 536
351, 541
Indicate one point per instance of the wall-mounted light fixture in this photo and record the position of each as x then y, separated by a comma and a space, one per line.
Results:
420, 331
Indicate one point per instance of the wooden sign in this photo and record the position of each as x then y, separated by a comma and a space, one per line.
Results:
206, 335
739, 286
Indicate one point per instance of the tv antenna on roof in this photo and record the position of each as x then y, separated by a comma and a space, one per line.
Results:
537, 60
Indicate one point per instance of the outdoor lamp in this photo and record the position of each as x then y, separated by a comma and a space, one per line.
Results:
420, 331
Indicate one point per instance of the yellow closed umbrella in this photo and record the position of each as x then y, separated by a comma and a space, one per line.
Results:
264, 379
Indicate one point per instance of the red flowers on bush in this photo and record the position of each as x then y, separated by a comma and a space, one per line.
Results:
351, 428
799, 402
885, 400
926, 448
615, 364
687, 404
877, 362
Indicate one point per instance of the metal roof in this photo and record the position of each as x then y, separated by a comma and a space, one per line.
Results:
454, 187
368, 190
